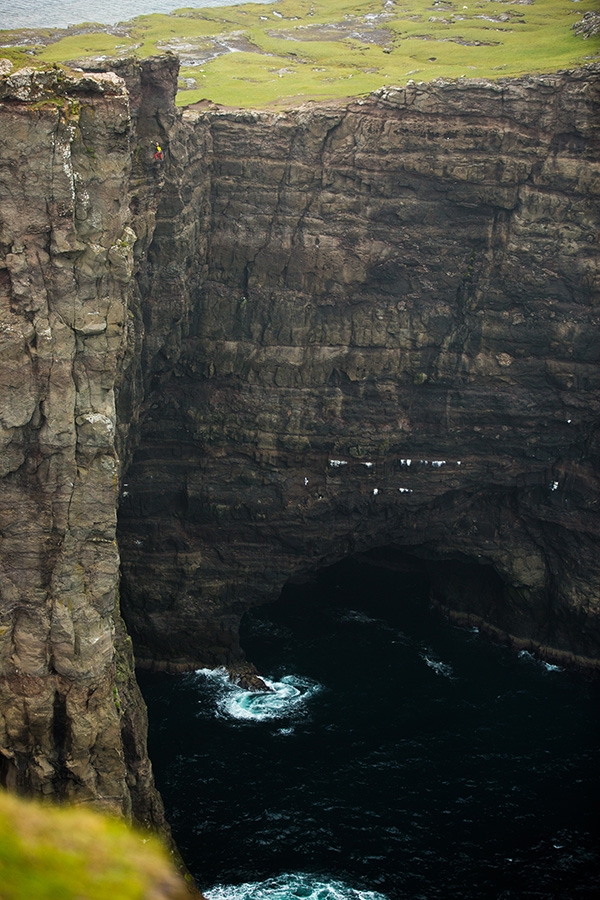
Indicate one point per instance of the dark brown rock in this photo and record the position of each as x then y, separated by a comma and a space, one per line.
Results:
73, 723
301, 336
392, 341
246, 676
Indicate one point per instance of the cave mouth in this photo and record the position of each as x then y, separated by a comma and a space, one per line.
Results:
408, 756
447, 582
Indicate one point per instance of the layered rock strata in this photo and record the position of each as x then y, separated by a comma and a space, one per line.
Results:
79, 192
302, 336
393, 341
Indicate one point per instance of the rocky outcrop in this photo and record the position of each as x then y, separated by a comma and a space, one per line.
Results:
79, 192
393, 342
301, 336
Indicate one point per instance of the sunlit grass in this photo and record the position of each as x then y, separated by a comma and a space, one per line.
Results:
152, 31
291, 52
77, 46
50, 853
251, 80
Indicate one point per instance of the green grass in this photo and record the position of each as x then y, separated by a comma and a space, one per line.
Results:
287, 56
77, 46
50, 853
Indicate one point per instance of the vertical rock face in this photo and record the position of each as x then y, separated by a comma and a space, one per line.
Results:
304, 336
71, 723
393, 341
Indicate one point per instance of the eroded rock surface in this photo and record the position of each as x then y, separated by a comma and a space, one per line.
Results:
393, 340
300, 336
74, 157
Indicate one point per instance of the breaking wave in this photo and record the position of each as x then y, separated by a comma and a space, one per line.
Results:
531, 658
296, 886
285, 698
428, 766
439, 667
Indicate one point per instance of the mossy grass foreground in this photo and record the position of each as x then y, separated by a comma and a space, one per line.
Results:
287, 52
47, 853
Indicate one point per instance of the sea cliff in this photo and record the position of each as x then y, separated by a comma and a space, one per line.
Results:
299, 336
79, 195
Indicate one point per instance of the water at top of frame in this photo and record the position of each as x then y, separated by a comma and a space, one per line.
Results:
61, 13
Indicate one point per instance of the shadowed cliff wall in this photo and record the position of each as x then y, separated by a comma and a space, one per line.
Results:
393, 340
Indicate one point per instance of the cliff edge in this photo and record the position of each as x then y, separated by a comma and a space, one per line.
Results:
296, 337
79, 194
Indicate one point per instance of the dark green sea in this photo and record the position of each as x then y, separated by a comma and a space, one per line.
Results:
398, 756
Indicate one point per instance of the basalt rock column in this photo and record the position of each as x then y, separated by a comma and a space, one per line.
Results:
394, 341
72, 724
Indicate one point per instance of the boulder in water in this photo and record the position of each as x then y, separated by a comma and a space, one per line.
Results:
246, 676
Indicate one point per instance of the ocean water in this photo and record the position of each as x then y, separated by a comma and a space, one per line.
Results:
396, 757
60, 13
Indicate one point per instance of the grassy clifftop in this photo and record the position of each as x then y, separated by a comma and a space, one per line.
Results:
286, 52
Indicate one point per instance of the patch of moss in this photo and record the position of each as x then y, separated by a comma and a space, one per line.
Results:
48, 853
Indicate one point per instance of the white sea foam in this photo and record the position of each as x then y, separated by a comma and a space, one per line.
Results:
439, 667
354, 615
294, 886
216, 675
529, 657
285, 698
